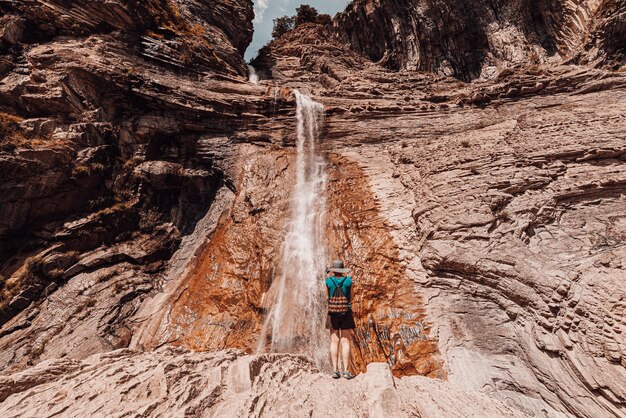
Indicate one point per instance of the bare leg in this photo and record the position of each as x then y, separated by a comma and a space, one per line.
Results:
346, 335
334, 348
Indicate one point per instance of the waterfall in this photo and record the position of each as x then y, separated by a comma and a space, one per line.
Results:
296, 316
252, 75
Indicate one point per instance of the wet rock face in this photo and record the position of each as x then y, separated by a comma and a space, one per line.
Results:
221, 299
470, 39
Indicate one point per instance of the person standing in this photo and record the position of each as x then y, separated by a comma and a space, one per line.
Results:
340, 320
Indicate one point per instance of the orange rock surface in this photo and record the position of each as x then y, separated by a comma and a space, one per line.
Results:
222, 303
391, 323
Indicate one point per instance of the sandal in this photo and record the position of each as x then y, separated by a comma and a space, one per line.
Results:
348, 375
336, 375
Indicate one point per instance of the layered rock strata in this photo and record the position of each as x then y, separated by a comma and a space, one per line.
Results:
220, 300
471, 40
110, 155
484, 220
505, 200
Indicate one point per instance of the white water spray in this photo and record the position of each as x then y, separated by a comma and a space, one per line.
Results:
253, 77
295, 318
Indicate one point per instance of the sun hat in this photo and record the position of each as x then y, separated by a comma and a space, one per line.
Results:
338, 267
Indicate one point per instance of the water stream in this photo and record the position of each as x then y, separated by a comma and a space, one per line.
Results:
295, 317
253, 77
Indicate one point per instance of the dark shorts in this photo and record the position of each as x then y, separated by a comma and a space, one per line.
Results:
345, 321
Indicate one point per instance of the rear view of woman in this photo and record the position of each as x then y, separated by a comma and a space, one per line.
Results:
340, 320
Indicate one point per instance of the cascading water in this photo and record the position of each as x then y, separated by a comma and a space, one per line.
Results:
253, 77
295, 318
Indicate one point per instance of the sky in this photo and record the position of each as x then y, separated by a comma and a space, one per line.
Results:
265, 11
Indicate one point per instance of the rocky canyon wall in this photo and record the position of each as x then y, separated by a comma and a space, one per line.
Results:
220, 300
146, 189
607, 35
110, 154
505, 202
468, 40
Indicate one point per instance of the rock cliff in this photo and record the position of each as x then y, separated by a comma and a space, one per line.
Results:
605, 43
110, 154
454, 169
473, 39
146, 186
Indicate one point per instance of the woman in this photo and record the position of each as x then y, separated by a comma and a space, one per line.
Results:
340, 320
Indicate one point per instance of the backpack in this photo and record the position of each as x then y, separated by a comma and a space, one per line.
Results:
338, 303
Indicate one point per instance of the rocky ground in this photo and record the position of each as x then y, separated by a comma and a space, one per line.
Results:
176, 382
145, 184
